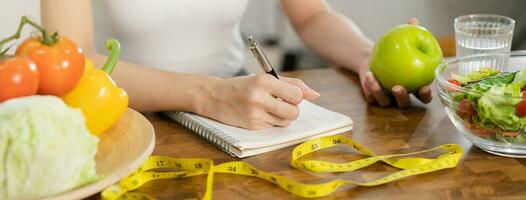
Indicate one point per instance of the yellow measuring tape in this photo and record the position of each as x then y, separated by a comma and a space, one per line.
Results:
409, 166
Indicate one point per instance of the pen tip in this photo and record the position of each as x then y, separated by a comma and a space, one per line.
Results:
251, 40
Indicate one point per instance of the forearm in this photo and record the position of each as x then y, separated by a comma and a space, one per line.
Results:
153, 90
336, 39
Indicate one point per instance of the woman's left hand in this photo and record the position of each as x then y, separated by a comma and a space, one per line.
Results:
373, 92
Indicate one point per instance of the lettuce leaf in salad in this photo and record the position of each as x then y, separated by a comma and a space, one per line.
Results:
475, 75
496, 97
497, 80
496, 107
520, 77
473, 96
484, 85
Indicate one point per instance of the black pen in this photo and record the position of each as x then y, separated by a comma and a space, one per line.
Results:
260, 56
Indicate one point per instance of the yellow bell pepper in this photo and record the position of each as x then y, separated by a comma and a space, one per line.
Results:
97, 96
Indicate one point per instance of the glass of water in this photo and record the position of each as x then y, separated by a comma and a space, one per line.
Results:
483, 34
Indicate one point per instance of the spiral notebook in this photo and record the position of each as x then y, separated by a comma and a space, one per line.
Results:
313, 122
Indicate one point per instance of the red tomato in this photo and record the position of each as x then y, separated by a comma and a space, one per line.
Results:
523, 94
510, 133
454, 82
18, 77
520, 108
465, 109
60, 65
480, 131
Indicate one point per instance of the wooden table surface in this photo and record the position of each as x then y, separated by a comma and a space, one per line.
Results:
384, 130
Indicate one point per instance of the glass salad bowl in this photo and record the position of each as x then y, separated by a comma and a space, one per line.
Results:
483, 97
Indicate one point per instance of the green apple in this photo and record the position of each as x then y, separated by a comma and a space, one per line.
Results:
406, 55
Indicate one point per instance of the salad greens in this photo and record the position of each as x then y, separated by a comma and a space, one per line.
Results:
494, 98
520, 78
486, 84
496, 107
45, 148
475, 75
481, 84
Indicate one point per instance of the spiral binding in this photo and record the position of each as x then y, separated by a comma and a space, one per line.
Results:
205, 130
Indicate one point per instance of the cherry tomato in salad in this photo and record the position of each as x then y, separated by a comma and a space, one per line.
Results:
510, 133
466, 109
454, 82
479, 131
18, 77
520, 108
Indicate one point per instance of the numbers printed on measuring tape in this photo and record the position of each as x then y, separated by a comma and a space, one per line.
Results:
409, 166
232, 168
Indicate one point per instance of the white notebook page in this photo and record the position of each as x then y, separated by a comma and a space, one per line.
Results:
312, 120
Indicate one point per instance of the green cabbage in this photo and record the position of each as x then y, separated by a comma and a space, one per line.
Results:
45, 148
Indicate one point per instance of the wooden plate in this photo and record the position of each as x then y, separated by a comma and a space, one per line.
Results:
121, 150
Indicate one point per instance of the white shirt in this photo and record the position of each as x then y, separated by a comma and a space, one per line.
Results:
192, 36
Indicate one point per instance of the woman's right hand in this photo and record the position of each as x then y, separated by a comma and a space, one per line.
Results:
254, 102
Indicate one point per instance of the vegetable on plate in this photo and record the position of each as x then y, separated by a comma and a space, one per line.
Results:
45, 148
59, 60
18, 78
97, 96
